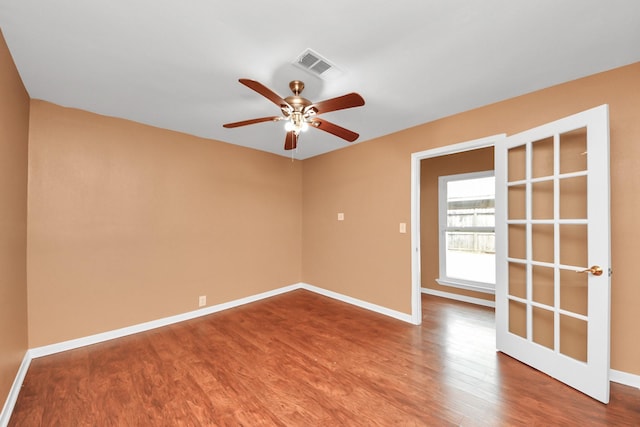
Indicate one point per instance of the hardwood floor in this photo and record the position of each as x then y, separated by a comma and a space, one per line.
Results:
300, 359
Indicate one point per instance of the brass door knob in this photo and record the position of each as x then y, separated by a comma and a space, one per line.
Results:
596, 270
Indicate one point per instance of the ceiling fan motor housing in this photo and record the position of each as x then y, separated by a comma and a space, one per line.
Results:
298, 103
296, 87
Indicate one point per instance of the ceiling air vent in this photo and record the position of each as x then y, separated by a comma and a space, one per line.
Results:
316, 64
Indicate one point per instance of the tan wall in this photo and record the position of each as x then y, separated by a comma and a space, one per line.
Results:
430, 170
129, 223
365, 257
14, 127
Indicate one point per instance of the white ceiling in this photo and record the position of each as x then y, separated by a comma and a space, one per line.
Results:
175, 64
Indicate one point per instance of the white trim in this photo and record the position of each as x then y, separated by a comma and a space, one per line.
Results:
616, 376
141, 327
468, 285
360, 303
416, 288
47, 350
14, 391
457, 297
624, 378
416, 275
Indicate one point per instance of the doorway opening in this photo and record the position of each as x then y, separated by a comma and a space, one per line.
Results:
424, 219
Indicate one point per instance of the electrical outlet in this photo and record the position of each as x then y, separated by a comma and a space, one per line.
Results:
403, 227
202, 301
340, 216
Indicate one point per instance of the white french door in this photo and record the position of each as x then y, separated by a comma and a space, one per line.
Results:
553, 249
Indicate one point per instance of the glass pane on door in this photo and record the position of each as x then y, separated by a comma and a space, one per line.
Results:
574, 337
573, 151
547, 240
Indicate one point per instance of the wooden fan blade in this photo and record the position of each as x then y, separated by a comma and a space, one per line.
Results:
252, 121
349, 100
334, 129
290, 141
264, 91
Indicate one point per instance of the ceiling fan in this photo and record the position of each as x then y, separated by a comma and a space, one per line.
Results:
300, 113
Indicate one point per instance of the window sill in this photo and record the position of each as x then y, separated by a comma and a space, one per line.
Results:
486, 288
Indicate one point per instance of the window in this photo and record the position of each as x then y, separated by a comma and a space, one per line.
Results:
466, 205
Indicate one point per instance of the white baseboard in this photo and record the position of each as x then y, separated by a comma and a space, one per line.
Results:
624, 378
141, 327
130, 330
457, 297
615, 376
12, 398
357, 302
47, 350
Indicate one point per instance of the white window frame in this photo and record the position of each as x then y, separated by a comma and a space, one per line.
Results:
443, 279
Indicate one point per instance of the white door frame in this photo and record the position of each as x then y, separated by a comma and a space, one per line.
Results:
416, 285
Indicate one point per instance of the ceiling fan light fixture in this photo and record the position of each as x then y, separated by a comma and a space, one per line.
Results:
297, 123
289, 126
